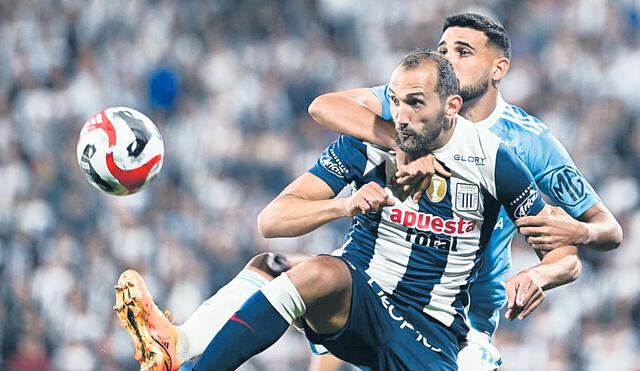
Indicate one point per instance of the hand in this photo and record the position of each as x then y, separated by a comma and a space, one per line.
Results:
368, 199
524, 295
414, 177
545, 233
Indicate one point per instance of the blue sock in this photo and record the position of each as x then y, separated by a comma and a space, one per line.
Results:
252, 329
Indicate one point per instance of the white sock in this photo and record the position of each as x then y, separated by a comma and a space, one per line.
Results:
285, 298
196, 332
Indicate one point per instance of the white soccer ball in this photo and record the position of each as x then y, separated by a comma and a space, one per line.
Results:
120, 150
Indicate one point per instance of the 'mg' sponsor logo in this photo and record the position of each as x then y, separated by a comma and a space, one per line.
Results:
568, 186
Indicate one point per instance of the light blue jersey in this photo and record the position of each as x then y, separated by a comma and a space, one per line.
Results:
556, 176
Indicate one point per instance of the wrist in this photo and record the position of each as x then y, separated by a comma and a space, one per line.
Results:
344, 206
587, 234
537, 277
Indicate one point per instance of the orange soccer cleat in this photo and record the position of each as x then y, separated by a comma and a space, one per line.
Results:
154, 337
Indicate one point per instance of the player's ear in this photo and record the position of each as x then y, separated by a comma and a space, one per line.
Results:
452, 105
500, 68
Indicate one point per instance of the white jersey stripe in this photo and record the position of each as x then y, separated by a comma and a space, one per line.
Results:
391, 254
456, 274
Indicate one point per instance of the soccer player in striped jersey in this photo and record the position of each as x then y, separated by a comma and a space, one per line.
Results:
479, 49
393, 297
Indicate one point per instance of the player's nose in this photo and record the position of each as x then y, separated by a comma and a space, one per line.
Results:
402, 116
401, 126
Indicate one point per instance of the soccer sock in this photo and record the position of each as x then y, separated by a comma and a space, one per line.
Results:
198, 330
259, 323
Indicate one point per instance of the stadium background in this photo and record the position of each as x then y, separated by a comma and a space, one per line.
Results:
228, 83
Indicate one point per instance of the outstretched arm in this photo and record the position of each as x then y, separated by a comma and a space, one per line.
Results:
354, 112
525, 291
307, 203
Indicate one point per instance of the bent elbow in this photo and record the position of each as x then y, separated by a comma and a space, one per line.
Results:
619, 235
576, 271
614, 242
317, 108
265, 226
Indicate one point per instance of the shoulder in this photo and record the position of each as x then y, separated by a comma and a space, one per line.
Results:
348, 143
517, 121
527, 135
349, 150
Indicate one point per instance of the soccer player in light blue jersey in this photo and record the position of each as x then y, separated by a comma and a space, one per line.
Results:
479, 49
394, 296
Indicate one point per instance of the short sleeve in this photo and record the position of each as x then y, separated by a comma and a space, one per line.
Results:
557, 175
341, 163
382, 92
516, 188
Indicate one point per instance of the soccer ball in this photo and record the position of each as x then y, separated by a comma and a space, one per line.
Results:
120, 150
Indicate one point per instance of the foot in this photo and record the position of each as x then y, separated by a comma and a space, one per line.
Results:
154, 337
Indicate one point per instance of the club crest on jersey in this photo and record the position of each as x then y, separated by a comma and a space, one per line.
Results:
331, 162
437, 188
467, 197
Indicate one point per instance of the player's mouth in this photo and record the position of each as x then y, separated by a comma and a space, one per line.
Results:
404, 135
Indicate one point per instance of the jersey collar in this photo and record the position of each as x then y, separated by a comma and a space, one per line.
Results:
460, 121
501, 105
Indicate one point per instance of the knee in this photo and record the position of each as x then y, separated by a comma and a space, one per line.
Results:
322, 274
271, 263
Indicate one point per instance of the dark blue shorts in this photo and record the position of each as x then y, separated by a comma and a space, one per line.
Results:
379, 335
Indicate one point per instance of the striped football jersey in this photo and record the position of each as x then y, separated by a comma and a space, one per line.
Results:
425, 254
555, 174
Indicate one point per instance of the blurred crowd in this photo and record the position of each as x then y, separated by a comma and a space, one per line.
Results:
228, 84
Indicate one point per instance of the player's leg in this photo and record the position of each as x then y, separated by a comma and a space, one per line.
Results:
319, 288
208, 319
166, 346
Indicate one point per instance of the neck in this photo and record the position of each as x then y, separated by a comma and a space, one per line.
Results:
481, 107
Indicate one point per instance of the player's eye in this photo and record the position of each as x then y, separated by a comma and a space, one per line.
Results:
415, 103
395, 100
464, 52
442, 51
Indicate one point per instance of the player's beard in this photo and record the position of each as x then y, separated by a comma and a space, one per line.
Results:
476, 89
417, 144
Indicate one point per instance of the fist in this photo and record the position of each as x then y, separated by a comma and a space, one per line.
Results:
370, 198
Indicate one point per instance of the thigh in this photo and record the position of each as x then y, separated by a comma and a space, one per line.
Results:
382, 336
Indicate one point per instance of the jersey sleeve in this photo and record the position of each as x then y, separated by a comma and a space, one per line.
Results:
516, 188
382, 92
341, 163
557, 175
